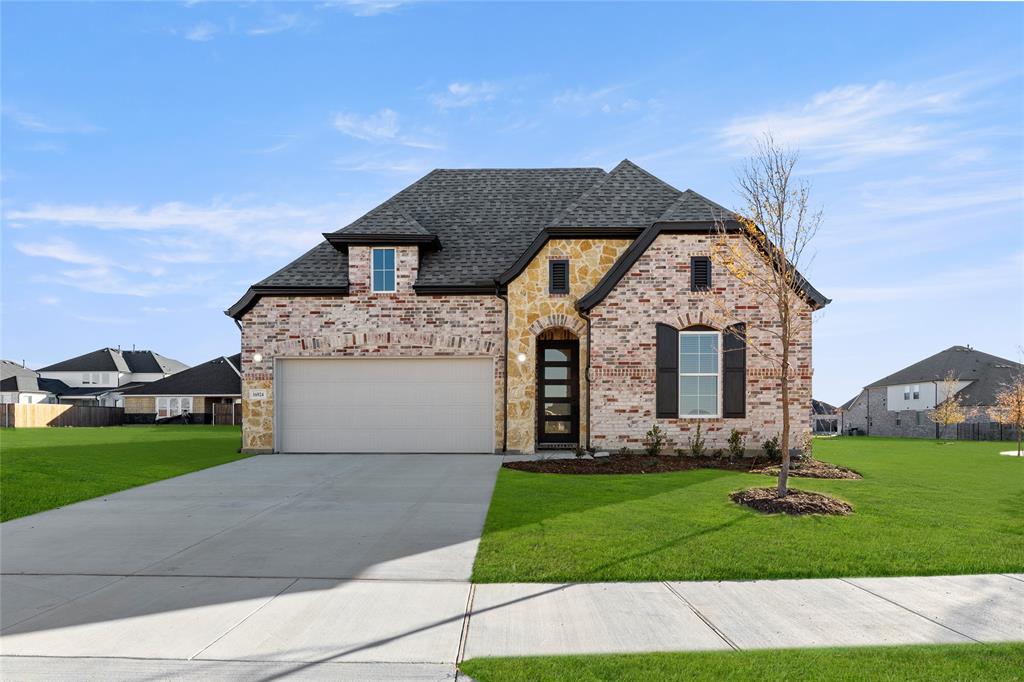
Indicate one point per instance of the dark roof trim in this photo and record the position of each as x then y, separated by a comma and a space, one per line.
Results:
643, 242
453, 290
341, 240
563, 233
254, 294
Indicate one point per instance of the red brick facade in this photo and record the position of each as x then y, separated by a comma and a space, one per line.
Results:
657, 289
404, 324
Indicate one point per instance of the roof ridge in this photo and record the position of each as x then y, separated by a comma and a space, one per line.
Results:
586, 193
652, 176
231, 365
386, 203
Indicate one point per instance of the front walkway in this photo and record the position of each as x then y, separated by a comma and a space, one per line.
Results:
394, 630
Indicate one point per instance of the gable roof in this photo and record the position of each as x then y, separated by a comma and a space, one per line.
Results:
481, 225
820, 407
987, 373
114, 360
219, 376
15, 378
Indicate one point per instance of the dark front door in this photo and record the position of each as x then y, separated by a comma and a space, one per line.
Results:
558, 395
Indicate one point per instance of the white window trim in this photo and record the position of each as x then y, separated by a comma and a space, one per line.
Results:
394, 272
718, 379
166, 401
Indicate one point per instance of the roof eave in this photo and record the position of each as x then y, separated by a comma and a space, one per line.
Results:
340, 240
556, 232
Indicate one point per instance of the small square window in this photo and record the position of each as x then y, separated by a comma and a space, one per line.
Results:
558, 276
383, 271
700, 273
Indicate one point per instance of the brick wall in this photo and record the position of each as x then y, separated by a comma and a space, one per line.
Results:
364, 324
657, 289
872, 416
139, 405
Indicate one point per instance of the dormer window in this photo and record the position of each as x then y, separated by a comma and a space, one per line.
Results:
383, 271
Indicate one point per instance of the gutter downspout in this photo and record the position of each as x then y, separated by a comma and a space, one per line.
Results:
586, 375
504, 380
241, 437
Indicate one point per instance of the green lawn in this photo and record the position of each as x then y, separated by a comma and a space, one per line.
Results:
923, 508
967, 662
45, 468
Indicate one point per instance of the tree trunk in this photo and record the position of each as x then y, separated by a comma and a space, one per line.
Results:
784, 468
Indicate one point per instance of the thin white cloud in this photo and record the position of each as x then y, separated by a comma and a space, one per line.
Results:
367, 8
851, 124
466, 94
202, 32
382, 164
60, 249
1003, 275
48, 300
37, 124
281, 22
382, 125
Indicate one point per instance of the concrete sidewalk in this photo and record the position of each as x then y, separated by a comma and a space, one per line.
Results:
381, 629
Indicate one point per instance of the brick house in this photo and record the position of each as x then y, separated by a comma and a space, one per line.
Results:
514, 310
898, 404
194, 391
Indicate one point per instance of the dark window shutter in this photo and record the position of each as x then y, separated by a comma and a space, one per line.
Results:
700, 273
558, 276
734, 371
667, 376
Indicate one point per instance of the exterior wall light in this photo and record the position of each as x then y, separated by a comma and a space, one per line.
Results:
521, 357
257, 358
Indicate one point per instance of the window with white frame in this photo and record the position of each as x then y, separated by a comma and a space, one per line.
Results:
172, 405
86, 378
699, 373
383, 271
917, 392
906, 392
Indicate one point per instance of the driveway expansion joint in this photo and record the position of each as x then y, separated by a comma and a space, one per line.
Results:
705, 619
910, 610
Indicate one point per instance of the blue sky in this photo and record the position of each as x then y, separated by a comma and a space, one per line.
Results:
158, 158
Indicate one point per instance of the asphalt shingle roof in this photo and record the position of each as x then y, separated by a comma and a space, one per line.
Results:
690, 206
215, 377
14, 377
388, 218
628, 196
114, 360
988, 373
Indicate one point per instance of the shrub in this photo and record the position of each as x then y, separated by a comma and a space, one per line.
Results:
771, 449
623, 451
580, 452
697, 443
735, 444
655, 441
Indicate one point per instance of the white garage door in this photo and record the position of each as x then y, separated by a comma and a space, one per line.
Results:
385, 405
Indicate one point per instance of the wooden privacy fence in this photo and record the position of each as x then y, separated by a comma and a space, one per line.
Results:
227, 414
25, 416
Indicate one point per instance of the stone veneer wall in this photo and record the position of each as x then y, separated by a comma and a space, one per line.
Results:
363, 324
532, 309
657, 289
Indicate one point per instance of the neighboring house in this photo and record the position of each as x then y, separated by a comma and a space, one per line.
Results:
898, 405
102, 376
824, 417
514, 310
195, 390
18, 384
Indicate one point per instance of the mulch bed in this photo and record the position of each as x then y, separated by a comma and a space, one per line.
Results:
812, 469
625, 464
646, 464
797, 502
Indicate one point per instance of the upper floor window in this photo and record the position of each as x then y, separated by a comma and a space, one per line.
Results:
700, 273
698, 373
917, 392
558, 276
383, 275
906, 392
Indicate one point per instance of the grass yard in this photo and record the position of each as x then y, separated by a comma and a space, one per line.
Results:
923, 508
965, 662
45, 468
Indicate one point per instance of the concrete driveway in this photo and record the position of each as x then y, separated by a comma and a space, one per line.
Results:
359, 558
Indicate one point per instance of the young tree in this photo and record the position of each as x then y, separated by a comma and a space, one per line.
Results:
776, 226
1009, 407
949, 410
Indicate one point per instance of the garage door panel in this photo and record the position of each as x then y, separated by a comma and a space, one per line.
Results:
385, 405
